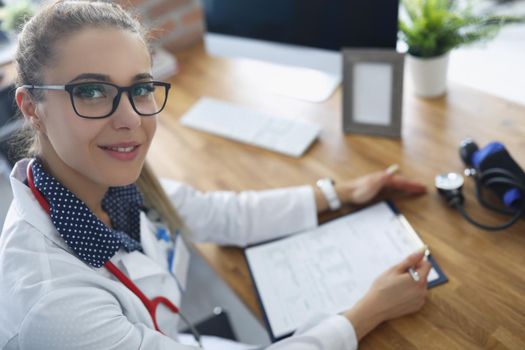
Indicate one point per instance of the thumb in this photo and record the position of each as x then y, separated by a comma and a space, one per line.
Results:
410, 261
424, 270
392, 169
382, 178
386, 175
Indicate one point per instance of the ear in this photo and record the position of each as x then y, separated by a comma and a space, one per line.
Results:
28, 107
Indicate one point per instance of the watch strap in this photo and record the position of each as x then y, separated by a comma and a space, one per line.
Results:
326, 186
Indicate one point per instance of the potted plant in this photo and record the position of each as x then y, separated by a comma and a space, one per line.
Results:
432, 28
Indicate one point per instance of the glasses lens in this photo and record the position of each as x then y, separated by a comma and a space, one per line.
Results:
149, 97
94, 100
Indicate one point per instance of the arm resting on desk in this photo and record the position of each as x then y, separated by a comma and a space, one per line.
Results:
365, 188
246, 217
334, 333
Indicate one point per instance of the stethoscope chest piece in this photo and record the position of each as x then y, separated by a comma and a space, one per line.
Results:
450, 186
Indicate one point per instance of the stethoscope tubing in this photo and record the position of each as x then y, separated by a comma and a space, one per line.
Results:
491, 177
150, 304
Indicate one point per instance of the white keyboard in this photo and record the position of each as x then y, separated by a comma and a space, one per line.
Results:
275, 133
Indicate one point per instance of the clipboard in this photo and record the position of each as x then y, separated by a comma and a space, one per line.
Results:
279, 280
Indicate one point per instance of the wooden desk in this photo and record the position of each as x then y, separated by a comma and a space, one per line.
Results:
483, 305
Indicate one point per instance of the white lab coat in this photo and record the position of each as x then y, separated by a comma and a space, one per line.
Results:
50, 299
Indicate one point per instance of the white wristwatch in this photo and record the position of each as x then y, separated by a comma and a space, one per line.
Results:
327, 188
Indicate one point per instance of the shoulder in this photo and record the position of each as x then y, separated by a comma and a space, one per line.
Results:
31, 265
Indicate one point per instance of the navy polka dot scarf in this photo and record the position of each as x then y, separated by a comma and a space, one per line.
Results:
88, 237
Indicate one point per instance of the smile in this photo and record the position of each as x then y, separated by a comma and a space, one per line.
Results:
122, 152
121, 149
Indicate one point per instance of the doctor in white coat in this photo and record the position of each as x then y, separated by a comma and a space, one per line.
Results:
81, 263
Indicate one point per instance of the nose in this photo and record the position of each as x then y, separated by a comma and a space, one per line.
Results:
125, 116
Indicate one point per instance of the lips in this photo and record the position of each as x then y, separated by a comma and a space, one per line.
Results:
122, 151
119, 149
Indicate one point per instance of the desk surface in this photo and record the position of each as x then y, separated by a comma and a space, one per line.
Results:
482, 306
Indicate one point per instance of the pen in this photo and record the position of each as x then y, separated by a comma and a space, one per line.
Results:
412, 271
414, 274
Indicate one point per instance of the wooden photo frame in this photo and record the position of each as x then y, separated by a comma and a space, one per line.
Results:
373, 91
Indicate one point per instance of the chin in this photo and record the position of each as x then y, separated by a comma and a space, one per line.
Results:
122, 178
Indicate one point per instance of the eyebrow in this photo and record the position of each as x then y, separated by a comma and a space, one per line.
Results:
106, 78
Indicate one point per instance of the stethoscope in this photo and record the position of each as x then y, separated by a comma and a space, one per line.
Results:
499, 172
450, 186
150, 304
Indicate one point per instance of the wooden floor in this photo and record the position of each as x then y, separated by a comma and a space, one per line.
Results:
483, 304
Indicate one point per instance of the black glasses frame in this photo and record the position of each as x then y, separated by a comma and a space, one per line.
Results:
116, 100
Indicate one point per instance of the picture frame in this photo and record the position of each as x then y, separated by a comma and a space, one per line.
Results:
373, 91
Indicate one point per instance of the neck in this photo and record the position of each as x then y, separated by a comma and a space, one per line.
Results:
85, 189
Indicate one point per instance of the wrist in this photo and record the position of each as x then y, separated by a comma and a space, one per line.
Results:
326, 187
364, 317
345, 192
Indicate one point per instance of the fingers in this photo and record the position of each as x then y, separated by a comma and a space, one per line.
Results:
410, 261
401, 183
424, 270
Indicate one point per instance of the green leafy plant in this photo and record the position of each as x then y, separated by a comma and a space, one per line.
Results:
15, 15
434, 27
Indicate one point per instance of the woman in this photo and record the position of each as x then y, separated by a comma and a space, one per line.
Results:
79, 257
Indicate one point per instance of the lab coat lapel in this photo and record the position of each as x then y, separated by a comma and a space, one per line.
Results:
139, 266
136, 264
150, 243
153, 261
28, 208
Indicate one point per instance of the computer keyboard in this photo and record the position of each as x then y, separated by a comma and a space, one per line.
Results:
272, 132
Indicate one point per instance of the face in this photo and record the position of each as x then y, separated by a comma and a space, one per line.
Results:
109, 151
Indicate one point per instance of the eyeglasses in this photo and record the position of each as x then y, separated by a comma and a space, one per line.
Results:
97, 100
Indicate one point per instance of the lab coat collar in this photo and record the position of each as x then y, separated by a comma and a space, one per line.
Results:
28, 208
91, 240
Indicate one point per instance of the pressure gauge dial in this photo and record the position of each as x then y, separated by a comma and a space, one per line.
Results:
449, 181
449, 186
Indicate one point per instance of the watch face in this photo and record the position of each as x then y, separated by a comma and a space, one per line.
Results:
449, 181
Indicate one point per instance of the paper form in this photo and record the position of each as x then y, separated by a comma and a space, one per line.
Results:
330, 268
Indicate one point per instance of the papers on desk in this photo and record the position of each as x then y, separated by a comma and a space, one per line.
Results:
330, 268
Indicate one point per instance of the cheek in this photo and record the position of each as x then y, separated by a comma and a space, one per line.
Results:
72, 137
150, 127
62, 126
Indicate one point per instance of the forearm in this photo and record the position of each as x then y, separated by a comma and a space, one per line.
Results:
226, 217
333, 333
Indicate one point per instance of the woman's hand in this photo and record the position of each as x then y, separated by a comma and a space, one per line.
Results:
393, 294
365, 188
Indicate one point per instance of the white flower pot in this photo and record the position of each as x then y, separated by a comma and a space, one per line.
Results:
429, 75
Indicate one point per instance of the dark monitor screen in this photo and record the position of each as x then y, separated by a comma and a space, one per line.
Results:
327, 24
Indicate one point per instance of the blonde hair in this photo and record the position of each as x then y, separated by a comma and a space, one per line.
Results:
155, 197
36, 51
